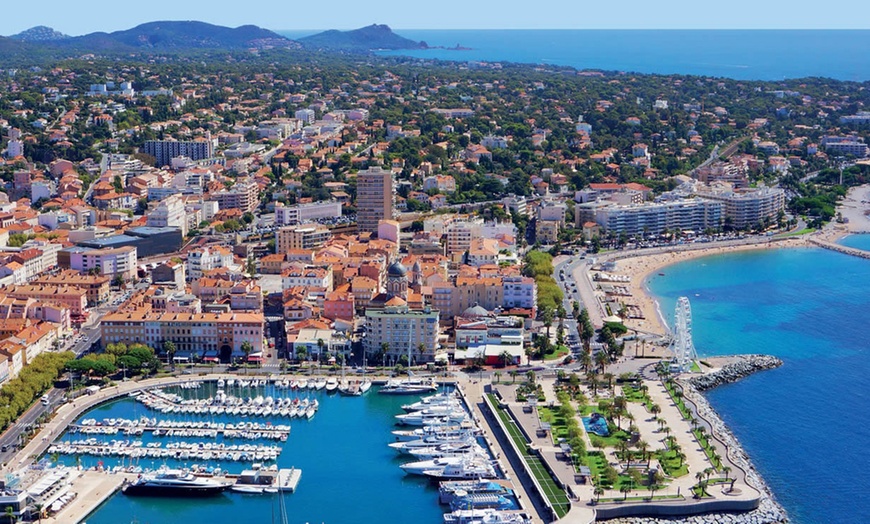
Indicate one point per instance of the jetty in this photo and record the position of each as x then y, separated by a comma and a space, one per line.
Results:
860, 253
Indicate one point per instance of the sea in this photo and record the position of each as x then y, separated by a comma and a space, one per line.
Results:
739, 54
349, 474
806, 425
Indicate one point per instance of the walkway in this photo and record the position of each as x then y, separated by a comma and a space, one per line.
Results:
551, 454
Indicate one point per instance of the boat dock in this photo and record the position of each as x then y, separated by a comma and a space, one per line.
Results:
92, 488
288, 479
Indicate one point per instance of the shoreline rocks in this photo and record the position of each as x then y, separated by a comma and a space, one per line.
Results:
743, 367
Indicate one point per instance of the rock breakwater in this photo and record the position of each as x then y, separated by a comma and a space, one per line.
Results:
744, 366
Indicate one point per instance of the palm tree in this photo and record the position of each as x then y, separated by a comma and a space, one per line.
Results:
652, 490
513, 373
644, 447
598, 491
385, 350
626, 489
586, 360
609, 378
700, 476
39, 510
10, 514
247, 349
320, 344
497, 376
655, 409
725, 471
421, 350
505, 358
169, 349
601, 360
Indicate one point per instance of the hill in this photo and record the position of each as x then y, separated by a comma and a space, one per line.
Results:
39, 33
365, 39
173, 35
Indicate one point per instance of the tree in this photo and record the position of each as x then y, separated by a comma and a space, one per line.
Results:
251, 267
625, 489
505, 358
118, 280
655, 409
598, 491
169, 349
247, 349
497, 376
10, 514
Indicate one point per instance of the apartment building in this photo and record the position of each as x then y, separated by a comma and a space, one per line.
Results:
374, 198
73, 298
309, 236
207, 259
113, 261
96, 287
169, 212
745, 209
165, 150
244, 196
653, 218
215, 335
402, 331
301, 213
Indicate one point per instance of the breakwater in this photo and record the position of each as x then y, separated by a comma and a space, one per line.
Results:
744, 366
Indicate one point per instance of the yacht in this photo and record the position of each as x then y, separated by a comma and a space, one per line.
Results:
175, 483
331, 384
365, 386
439, 399
431, 441
404, 435
409, 386
463, 469
485, 516
448, 450
421, 418
320, 383
422, 466
447, 491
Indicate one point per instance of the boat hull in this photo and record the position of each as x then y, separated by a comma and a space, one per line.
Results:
145, 490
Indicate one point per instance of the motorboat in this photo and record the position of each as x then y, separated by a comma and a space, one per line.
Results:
430, 441
463, 469
447, 491
404, 435
331, 385
175, 483
409, 386
485, 516
438, 399
421, 466
247, 488
422, 418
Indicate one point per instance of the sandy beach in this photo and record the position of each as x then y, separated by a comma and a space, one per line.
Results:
854, 209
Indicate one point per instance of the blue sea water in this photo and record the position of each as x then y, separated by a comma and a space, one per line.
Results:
349, 474
806, 425
857, 241
738, 54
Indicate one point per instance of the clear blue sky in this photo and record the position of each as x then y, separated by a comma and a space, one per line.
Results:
76, 18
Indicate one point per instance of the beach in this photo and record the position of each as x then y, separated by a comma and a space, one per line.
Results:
639, 266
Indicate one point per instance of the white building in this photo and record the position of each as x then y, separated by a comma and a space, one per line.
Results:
115, 261
404, 331
746, 209
301, 213
654, 218
306, 115
169, 213
207, 259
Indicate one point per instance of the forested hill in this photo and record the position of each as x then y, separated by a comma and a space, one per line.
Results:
365, 39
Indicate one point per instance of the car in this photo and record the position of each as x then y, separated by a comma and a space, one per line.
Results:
4, 448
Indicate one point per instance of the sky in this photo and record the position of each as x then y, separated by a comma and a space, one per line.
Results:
77, 18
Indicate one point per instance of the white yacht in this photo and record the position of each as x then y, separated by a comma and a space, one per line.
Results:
409, 386
464, 469
485, 516
175, 482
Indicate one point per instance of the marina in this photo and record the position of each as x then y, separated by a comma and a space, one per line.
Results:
138, 429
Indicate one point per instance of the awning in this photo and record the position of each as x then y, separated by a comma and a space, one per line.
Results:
255, 359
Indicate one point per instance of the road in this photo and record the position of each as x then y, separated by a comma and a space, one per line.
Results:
88, 336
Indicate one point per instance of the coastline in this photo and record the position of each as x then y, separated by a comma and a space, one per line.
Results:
639, 267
